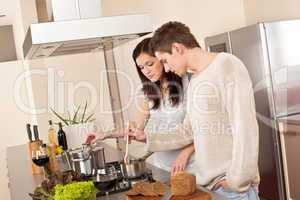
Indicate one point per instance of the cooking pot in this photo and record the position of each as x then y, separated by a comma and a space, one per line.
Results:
81, 161
86, 160
136, 167
98, 159
63, 162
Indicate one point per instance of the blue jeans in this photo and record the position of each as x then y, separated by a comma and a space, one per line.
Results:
251, 194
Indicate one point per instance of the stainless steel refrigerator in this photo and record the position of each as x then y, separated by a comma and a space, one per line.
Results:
271, 53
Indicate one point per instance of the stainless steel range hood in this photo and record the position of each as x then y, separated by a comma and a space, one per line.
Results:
81, 36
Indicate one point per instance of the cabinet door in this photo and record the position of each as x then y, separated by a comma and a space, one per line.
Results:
7, 44
65, 10
290, 142
90, 8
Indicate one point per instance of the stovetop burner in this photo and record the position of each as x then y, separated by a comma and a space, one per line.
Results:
124, 184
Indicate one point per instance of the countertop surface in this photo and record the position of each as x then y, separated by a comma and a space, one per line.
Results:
22, 181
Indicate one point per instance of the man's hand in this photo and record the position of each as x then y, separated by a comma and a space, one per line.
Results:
223, 184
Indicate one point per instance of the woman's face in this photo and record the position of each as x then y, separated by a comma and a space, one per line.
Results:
150, 66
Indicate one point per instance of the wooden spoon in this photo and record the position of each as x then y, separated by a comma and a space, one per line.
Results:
126, 157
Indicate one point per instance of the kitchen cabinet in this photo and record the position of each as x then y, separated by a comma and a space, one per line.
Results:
7, 44
76, 9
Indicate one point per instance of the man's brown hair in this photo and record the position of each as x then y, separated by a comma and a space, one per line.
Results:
171, 32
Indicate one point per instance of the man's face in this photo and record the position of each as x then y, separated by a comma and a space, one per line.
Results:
174, 62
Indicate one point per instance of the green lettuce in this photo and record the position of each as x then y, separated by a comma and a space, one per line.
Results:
84, 190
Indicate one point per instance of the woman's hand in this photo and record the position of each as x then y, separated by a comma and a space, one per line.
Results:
93, 137
134, 133
139, 135
180, 162
182, 159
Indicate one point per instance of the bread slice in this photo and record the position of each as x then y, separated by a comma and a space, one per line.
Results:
160, 188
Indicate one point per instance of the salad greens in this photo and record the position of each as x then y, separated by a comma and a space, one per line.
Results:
75, 191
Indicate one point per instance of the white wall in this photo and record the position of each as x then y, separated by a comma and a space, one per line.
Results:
86, 72
12, 119
202, 16
271, 10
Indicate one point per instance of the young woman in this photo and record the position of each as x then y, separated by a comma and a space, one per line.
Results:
161, 108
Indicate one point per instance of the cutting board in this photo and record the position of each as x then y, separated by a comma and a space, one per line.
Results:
198, 195
140, 197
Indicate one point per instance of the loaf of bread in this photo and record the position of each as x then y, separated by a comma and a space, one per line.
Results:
183, 183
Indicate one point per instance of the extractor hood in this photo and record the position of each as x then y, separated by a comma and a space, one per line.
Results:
81, 36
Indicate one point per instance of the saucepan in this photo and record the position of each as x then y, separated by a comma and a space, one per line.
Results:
86, 160
135, 168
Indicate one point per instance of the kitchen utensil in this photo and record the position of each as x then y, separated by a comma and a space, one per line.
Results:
29, 133
36, 133
98, 158
33, 146
81, 161
143, 158
199, 194
64, 162
88, 159
136, 167
126, 157
40, 157
142, 198
167, 196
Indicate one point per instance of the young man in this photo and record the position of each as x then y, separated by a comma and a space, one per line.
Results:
220, 112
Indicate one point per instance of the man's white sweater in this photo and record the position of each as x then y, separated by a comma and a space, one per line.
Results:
221, 118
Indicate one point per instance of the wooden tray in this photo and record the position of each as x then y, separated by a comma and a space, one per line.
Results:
198, 195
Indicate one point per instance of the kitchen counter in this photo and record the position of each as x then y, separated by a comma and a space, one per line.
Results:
22, 181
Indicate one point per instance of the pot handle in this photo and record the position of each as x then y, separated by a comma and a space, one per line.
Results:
149, 153
80, 159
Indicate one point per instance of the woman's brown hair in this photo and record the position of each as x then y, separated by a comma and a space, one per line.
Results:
152, 90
